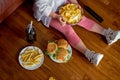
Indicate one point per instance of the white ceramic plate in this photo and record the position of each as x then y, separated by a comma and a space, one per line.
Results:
33, 66
68, 57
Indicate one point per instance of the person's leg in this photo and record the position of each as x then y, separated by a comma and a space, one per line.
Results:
76, 42
90, 25
111, 35
70, 34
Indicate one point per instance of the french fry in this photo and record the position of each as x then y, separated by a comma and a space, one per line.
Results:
31, 57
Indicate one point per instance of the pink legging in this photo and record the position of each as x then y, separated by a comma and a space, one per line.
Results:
69, 32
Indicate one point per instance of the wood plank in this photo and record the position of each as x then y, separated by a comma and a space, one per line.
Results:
13, 39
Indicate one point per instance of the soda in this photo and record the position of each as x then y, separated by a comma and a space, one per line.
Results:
31, 33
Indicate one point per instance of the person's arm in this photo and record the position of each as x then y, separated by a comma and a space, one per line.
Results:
74, 1
54, 15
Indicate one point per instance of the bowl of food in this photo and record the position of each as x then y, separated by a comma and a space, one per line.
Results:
59, 51
71, 13
31, 57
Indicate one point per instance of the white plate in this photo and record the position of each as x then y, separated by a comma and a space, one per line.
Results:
33, 66
69, 56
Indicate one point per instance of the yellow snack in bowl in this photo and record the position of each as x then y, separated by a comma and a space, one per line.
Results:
70, 13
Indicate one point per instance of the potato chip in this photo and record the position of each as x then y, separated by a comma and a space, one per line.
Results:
70, 12
51, 78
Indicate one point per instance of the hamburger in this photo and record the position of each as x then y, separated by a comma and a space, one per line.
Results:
62, 54
52, 47
59, 51
62, 43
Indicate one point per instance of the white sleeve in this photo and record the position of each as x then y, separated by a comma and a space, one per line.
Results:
41, 8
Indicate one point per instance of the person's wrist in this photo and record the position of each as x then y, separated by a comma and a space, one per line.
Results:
58, 17
55, 16
75, 3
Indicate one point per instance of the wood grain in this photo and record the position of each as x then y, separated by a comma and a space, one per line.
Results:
13, 39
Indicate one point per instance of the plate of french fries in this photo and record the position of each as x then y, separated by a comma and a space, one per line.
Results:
31, 57
71, 13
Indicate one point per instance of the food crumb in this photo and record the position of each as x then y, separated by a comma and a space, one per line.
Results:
51, 78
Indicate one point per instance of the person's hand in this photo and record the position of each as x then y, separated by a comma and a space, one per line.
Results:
80, 8
60, 18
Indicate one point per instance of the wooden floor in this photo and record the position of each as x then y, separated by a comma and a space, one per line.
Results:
13, 39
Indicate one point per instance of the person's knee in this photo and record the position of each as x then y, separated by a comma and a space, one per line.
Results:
69, 31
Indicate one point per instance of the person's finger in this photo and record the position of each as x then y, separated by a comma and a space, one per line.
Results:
63, 23
80, 8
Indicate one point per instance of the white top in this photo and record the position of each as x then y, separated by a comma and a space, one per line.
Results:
42, 9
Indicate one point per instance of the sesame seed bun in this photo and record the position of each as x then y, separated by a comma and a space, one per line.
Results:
51, 47
61, 54
62, 43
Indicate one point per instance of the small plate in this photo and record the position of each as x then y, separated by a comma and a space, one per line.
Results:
35, 66
68, 57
